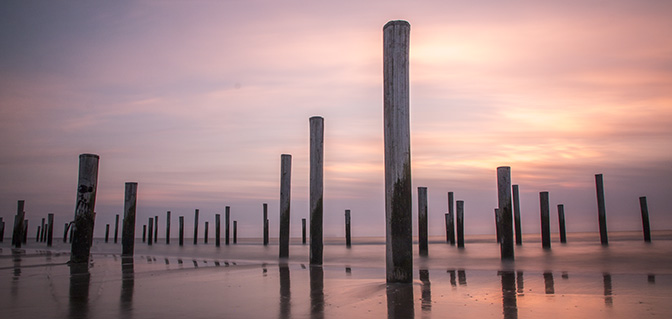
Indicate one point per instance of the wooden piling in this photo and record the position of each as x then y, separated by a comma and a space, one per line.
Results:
285, 195
25, 232
107, 232
2, 230
227, 222
65, 232
17, 235
150, 233
156, 229
265, 225
205, 236
450, 220
50, 229
398, 209
316, 189
601, 209
181, 230
196, 227
459, 205
84, 211
42, 230
303, 230
217, 230
516, 215
348, 239
498, 226
561, 223
144, 233
545, 220
168, 228
422, 222
645, 219
128, 224
235, 231
505, 212
37, 236
116, 228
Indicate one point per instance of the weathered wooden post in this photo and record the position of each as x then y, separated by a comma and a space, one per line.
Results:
398, 210
227, 222
285, 188
128, 224
42, 230
422, 222
516, 215
37, 236
450, 220
459, 205
25, 232
561, 222
601, 209
168, 228
50, 229
265, 225
116, 228
181, 231
205, 236
217, 230
196, 227
144, 233
303, 230
107, 232
348, 239
17, 235
2, 230
316, 189
498, 226
235, 231
84, 211
151, 231
156, 229
645, 218
545, 220
505, 211
65, 232
72, 230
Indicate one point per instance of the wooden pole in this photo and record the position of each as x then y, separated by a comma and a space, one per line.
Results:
84, 211
37, 236
144, 233
128, 224
217, 230
227, 222
17, 235
42, 231
303, 231
107, 232
156, 229
316, 189
505, 212
601, 209
450, 220
205, 237
285, 188
561, 222
545, 220
50, 229
151, 231
235, 231
25, 232
459, 205
348, 239
398, 209
645, 219
181, 231
2, 230
422, 222
196, 227
65, 232
516, 215
265, 224
116, 228
498, 226
167, 227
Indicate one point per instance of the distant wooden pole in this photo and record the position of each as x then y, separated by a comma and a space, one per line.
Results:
217, 230
227, 222
150, 232
450, 220
422, 222
285, 188
25, 232
144, 233
459, 205
505, 211
316, 189
50, 229
116, 228
65, 232
265, 225
167, 227
348, 239
84, 212
128, 224
42, 230
516, 215
645, 219
17, 235
2, 230
107, 232
303, 230
181, 230
235, 231
561, 222
205, 236
398, 204
498, 226
545, 220
37, 236
196, 227
601, 209
156, 229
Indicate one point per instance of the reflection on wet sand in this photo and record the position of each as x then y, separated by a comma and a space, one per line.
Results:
509, 303
651, 278
520, 283
426, 290
127, 286
462, 277
80, 280
608, 299
16, 260
451, 272
400, 301
285, 293
316, 292
549, 285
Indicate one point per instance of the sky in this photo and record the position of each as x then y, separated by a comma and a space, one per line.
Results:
197, 100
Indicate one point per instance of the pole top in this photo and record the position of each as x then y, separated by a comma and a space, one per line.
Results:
396, 23
89, 155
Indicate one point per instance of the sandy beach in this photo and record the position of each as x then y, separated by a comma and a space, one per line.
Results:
581, 279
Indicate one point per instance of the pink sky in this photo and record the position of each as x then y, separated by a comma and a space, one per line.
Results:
196, 102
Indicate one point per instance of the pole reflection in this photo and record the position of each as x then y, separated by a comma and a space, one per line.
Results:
285, 292
509, 303
451, 272
520, 283
549, 284
462, 277
608, 299
316, 292
80, 280
127, 285
400, 301
426, 290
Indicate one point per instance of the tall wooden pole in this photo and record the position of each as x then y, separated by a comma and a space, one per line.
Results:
196, 227
17, 234
422, 222
498, 226
107, 232
505, 211
316, 188
128, 228
348, 239
2, 230
285, 196
450, 220
303, 231
144, 233
265, 224
181, 230
561, 223
235, 231
150, 233
50, 229
43, 230
516, 215
156, 229
167, 227
227, 222
84, 211
398, 209
116, 228
645, 218
459, 205
601, 209
217, 230
545, 220
205, 231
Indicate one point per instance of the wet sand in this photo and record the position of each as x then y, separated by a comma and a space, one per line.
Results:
579, 280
